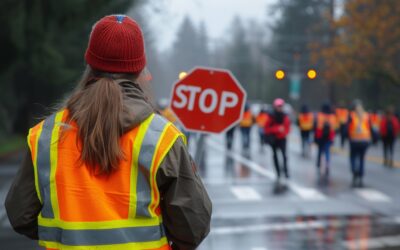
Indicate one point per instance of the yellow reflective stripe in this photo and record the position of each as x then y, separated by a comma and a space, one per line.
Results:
39, 131
152, 178
137, 222
153, 173
53, 163
135, 165
128, 246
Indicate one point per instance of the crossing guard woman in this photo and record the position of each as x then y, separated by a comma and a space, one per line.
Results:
105, 171
360, 135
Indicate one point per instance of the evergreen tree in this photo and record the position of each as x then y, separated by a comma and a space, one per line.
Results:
300, 24
239, 59
43, 44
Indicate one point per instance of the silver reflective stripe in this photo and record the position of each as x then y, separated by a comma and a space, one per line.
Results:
43, 166
147, 151
93, 237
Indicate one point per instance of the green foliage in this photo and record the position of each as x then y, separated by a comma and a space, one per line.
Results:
43, 45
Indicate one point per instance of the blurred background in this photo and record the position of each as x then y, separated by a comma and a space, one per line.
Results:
305, 51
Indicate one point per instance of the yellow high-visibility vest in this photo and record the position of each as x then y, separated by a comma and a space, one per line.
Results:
82, 210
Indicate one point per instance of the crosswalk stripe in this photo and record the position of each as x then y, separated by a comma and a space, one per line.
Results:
302, 225
307, 193
303, 192
373, 195
246, 193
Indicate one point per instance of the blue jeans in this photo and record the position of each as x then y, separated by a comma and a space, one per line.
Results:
357, 156
324, 147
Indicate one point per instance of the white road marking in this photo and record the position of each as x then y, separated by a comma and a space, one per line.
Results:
373, 195
303, 192
306, 193
259, 248
302, 225
378, 242
246, 193
224, 182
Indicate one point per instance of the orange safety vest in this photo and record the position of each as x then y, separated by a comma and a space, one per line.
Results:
375, 121
247, 119
306, 121
359, 129
342, 115
82, 210
262, 119
321, 120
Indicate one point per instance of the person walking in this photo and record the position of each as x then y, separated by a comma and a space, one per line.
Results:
305, 121
261, 120
276, 131
342, 116
389, 130
229, 137
360, 135
376, 119
324, 136
105, 171
245, 126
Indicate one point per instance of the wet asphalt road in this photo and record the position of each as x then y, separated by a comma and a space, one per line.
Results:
251, 212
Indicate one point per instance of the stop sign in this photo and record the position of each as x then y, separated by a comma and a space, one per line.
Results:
208, 100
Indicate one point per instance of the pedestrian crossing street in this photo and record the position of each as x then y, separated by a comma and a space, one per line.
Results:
238, 182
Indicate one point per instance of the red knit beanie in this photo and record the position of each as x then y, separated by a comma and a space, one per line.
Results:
116, 45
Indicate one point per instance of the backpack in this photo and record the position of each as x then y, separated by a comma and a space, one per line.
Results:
326, 131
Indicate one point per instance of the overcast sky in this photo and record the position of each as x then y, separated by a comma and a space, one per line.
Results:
216, 14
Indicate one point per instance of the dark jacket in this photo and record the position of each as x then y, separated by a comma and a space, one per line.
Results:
185, 205
384, 127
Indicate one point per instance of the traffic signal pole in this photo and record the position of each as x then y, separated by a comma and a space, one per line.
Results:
331, 83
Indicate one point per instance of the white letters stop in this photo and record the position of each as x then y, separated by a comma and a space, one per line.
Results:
189, 96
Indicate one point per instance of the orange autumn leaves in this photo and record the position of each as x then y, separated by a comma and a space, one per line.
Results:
365, 44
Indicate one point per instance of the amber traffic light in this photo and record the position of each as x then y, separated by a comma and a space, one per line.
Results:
311, 74
182, 75
280, 74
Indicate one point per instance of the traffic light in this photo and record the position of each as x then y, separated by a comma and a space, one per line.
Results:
182, 75
280, 74
311, 74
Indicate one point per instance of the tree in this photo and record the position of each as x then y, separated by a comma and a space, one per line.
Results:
299, 24
367, 44
189, 49
239, 59
45, 42
366, 48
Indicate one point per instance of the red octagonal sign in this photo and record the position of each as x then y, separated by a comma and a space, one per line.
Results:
208, 100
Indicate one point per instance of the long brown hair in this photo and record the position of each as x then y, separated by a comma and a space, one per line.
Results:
96, 106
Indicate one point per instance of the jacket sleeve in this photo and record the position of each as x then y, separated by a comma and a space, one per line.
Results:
185, 205
22, 203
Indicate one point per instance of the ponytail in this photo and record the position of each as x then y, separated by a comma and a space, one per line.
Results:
96, 107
